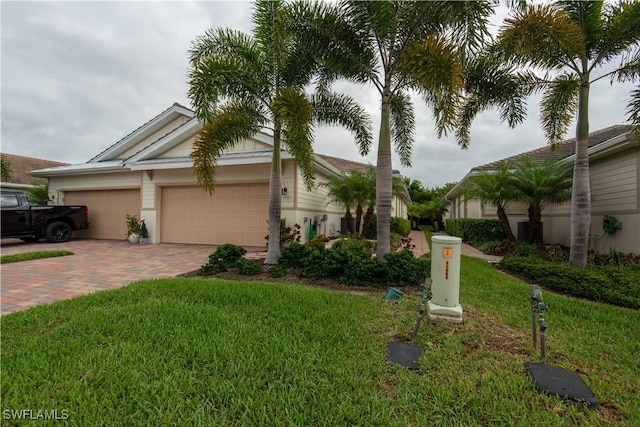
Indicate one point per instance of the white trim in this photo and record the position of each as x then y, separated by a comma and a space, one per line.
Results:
167, 142
605, 148
82, 168
142, 132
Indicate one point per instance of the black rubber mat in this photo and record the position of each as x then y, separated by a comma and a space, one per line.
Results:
406, 355
561, 382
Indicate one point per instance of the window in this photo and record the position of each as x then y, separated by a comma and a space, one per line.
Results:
9, 200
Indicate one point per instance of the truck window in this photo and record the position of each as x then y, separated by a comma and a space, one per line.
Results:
9, 200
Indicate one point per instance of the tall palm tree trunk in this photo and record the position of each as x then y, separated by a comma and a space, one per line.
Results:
275, 202
581, 190
504, 220
358, 218
384, 175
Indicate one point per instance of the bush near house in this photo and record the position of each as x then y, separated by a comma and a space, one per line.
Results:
475, 231
399, 226
610, 284
349, 260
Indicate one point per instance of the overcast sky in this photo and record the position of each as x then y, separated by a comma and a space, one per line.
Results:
79, 76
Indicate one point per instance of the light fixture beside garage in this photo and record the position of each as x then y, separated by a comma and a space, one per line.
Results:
284, 190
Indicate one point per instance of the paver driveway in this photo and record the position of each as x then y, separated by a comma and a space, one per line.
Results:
96, 265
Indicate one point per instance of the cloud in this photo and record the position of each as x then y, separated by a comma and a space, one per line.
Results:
79, 76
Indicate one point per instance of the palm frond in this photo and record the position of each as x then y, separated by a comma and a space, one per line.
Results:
295, 112
230, 68
338, 109
403, 126
633, 109
621, 34
558, 106
230, 124
542, 36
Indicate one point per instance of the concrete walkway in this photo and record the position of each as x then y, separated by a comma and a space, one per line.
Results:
419, 240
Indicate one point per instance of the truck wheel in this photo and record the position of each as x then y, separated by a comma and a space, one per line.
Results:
58, 232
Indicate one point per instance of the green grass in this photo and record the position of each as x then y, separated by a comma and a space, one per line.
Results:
212, 352
427, 233
27, 256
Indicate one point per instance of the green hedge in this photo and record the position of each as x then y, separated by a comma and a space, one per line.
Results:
399, 226
350, 261
609, 284
475, 231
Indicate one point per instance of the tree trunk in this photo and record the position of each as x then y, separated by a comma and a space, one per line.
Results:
358, 218
348, 217
384, 175
368, 216
581, 190
504, 220
275, 202
535, 218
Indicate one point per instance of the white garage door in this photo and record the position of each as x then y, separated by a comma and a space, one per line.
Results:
108, 211
233, 214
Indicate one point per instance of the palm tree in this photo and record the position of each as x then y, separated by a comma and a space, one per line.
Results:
540, 184
240, 84
398, 47
340, 194
574, 39
495, 187
436, 209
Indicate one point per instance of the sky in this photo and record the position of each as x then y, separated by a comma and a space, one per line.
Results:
78, 76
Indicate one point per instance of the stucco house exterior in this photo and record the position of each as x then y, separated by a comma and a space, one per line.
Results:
149, 173
614, 162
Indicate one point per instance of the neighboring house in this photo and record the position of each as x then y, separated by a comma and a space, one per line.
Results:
614, 162
21, 168
149, 173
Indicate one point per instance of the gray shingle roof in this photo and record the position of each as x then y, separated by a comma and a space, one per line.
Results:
564, 149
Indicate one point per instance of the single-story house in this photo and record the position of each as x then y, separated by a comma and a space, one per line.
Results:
614, 162
149, 173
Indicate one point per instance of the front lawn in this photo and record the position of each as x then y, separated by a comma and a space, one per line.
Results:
214, 352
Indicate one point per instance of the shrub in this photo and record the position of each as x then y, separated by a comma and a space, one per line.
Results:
294, 255
277, 271
490, 247
614, 257
400, 226
555, 253
248, 268
364, 272
288, 235
222, 259
525, 250
403, 269
475, 231
609, 284
372, 231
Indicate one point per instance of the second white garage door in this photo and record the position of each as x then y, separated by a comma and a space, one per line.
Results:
233, 214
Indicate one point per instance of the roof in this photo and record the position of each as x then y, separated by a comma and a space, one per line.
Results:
21, 167
344, 165
563, 149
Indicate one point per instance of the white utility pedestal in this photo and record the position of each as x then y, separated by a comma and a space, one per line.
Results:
445, 276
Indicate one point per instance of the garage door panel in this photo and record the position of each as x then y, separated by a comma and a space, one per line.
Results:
107, 210
232, 214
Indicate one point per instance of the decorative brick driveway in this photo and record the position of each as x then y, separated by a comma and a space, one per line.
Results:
96, 265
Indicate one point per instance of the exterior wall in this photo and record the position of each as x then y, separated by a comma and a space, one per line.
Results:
154, 137
183, 149
120, 180
465, 208
313, 204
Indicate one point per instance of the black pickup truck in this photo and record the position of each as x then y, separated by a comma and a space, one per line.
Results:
31, 223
